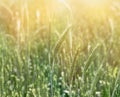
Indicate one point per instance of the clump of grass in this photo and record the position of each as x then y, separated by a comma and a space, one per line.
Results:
81, 61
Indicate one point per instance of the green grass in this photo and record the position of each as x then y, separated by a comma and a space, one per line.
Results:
73, 56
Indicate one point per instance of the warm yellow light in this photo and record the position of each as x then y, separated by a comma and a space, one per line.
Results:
94, 3
94, 7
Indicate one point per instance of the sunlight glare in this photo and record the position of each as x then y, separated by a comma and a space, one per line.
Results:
94, 3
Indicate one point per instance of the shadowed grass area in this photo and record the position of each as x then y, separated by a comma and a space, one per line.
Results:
62, 48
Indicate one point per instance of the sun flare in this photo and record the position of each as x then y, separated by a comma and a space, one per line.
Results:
94, 3
95, 7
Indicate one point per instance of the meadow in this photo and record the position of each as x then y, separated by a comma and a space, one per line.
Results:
59, 48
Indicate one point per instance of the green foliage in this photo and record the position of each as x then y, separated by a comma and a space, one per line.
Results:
79, 57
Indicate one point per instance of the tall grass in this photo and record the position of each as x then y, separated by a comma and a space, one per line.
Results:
69, 54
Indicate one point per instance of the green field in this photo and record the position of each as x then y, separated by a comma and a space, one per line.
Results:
59, 48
